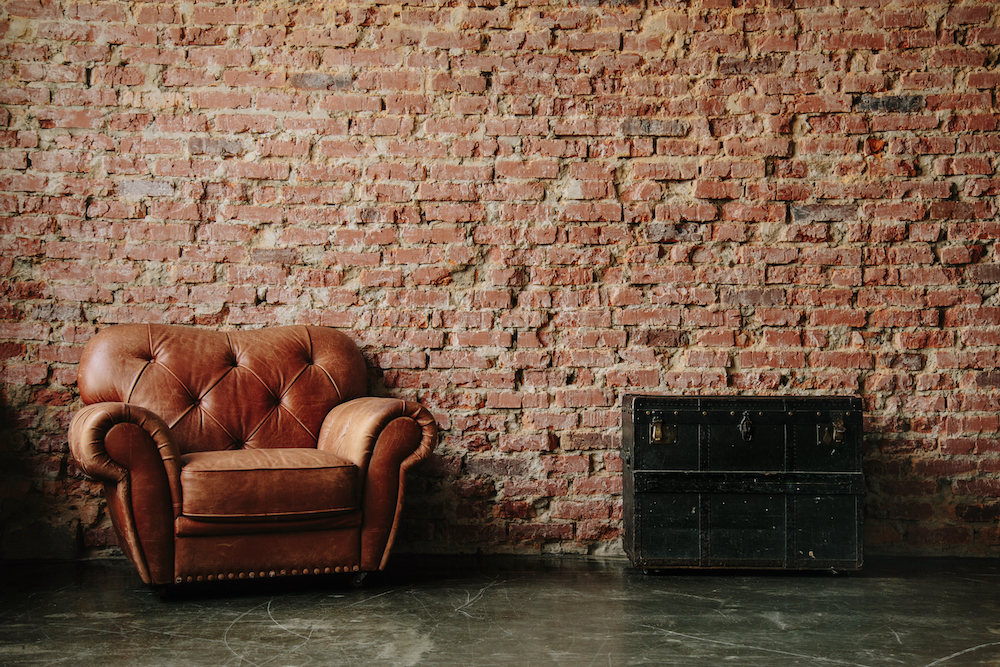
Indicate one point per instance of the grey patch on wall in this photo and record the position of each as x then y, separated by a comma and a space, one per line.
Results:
895, 103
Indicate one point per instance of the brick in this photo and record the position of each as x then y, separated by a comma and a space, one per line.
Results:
967, 15
717, 190
890, 103
540, 532
658, 128
539, 443
507, 467
527, 169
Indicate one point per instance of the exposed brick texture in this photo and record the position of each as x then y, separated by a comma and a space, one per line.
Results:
521, 210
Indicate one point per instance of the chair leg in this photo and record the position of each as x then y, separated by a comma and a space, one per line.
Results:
358, 580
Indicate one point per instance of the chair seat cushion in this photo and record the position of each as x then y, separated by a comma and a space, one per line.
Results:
267, 484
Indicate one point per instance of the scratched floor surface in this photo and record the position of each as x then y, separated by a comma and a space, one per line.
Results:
516, 612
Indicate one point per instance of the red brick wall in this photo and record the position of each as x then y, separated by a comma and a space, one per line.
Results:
521, 211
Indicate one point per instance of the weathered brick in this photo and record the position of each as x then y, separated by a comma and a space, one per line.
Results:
520, 224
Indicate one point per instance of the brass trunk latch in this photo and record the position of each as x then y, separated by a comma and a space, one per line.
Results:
835, 432
661, 433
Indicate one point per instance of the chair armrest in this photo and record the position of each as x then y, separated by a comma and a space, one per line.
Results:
384, 437
88, 433
352, 429
132, 451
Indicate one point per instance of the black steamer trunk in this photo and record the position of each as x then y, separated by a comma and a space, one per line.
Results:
734, 482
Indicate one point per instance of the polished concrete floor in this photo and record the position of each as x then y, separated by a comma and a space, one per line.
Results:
447, 611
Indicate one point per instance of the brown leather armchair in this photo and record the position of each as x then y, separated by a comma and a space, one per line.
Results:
244, 454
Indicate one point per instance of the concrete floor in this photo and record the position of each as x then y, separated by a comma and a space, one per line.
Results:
447, 611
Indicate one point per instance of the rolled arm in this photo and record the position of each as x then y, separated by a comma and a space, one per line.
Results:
88, 433
384, 437
132, 451
352, 429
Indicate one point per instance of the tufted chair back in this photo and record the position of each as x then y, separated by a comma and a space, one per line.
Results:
220, 390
